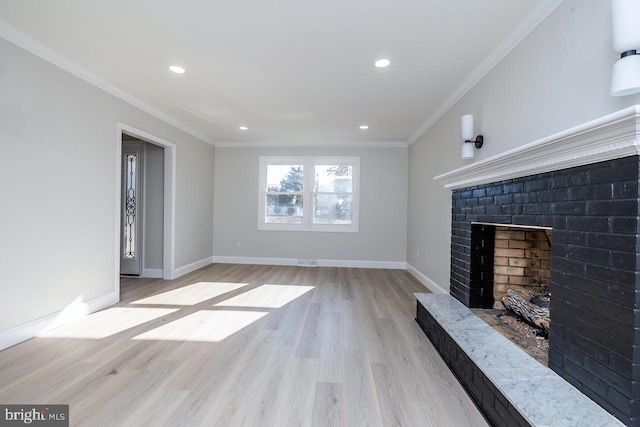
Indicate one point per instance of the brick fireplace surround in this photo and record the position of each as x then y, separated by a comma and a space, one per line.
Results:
584, 184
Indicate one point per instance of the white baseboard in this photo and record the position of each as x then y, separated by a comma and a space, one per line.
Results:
152, 273
389, 265
320, 263
254, 260
185, 269
427, 282
73, 311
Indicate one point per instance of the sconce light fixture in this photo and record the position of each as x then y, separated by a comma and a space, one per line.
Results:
469, 146
625, 78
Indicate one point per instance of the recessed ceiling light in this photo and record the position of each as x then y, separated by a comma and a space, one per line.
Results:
381, 63
243, 128
364, 127
177, 69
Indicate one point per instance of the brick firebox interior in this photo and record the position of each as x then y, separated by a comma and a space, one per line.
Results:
522, 258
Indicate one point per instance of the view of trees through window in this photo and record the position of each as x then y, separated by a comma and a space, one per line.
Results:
308, 192
332, 194
285, 197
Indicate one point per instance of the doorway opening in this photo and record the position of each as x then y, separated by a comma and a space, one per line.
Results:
160, 239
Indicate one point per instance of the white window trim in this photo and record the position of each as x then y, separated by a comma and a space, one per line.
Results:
309, 163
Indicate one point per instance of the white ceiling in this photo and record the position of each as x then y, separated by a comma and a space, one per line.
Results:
293, 71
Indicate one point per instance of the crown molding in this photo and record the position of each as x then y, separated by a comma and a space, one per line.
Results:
613, 136
530, 21
352, 144
28, 43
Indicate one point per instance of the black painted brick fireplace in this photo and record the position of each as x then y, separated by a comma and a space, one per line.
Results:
595, 317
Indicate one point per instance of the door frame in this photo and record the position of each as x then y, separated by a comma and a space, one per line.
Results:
169, 226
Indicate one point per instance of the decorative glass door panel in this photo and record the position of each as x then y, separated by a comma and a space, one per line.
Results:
130, 207
130, 245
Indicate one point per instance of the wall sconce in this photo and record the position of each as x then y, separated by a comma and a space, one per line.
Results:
625, 25
469, 146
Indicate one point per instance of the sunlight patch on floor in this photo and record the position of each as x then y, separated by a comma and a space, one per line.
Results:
192, 294
206, 325
212, 326
268, 296
107, 322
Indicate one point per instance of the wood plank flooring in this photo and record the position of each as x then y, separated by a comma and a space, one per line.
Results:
245, 345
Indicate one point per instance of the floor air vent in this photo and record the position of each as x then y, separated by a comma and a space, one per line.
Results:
307, 263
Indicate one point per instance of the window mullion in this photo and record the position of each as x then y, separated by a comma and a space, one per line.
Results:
307, 197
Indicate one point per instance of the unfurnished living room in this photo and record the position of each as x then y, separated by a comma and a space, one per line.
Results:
334, 213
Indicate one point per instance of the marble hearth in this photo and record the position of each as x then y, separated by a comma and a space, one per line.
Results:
510, 386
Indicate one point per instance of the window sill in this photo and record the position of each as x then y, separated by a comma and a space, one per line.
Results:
313, 229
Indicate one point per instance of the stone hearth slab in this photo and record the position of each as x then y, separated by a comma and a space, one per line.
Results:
524, 390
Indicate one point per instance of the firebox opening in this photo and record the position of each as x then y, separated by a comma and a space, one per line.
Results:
522, 259
514, 269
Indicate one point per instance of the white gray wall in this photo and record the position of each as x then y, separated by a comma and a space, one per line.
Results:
557, 78
58, 180
383, 204
153, 206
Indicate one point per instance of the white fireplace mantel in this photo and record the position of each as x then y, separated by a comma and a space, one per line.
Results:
610, 137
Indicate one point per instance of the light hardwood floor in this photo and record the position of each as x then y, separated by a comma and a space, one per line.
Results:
244, 345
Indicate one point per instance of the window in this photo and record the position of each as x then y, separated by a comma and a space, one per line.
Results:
309, 193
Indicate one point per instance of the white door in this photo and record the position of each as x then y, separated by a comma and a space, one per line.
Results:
131, 207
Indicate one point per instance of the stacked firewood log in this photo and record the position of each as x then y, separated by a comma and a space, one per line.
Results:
531, 306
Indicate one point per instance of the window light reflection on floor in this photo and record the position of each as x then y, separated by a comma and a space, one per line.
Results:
191, 294
204, 325
107, 322
267, 296
218, 324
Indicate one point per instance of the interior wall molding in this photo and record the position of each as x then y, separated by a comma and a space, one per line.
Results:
74, 311
350, 144
387, 265
186, 269
613, 136
391, 265
529, 22
426, 281
254, 260
28, 43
